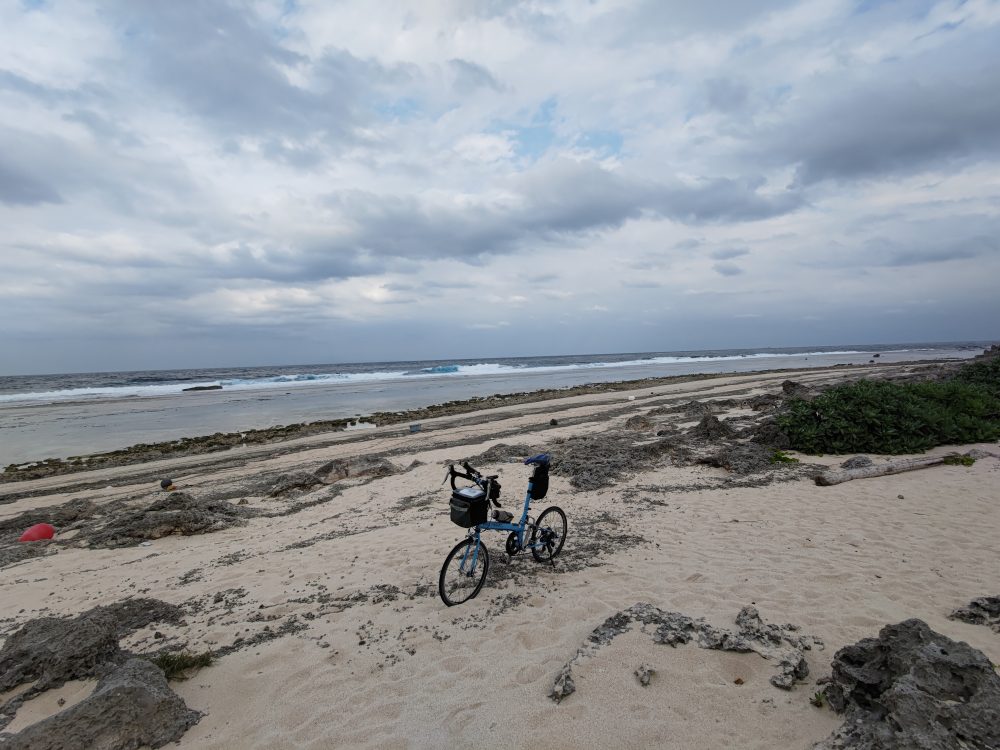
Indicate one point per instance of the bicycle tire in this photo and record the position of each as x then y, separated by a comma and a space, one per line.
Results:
450, 588
553, 544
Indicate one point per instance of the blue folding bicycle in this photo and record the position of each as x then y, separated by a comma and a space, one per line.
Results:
465, 568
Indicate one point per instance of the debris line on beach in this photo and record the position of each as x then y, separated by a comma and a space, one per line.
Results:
778, 643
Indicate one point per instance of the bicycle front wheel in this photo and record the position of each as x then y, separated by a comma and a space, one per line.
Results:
549, 534
464, 572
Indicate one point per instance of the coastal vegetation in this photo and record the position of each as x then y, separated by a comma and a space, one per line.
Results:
899, 417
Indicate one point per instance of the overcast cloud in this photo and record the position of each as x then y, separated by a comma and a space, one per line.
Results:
224, 183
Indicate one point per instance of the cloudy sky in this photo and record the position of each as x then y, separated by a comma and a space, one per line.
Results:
213, 183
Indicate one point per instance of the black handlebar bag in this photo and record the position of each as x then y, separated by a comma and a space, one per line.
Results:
539, 481
468, 507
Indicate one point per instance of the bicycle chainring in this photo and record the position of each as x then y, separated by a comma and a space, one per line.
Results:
512, 546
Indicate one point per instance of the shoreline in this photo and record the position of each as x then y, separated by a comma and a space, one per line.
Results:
218, 442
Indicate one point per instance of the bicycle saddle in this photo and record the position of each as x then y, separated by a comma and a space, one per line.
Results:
540, 459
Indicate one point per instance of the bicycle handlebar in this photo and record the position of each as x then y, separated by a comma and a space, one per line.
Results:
471, 474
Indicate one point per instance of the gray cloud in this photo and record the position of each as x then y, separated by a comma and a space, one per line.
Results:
727, 269
20, 188
730, 253
896, 123
469, 77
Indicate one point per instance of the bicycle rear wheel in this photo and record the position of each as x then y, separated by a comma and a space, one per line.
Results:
464, 572
549, 534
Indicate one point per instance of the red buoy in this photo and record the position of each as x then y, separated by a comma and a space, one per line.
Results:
38, 532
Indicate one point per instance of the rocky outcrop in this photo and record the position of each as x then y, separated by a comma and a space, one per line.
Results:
176, 513
50, 651
131, 707
710, 428
982, 611
296, 480
791, 389
639, 422
53, 650
764, 402
742, 458
344, 468
913, 688
770, 434
59, 516
778, 643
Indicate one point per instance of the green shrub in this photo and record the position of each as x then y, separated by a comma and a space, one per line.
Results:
780, 457
889, 418
985, 373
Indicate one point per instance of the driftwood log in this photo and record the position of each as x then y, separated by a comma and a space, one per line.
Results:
828, 478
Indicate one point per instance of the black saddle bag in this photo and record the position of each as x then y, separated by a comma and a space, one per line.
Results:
469, 507
539, 481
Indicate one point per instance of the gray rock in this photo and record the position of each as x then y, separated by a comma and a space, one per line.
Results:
563, 687
342, 468
296, 480
710, 428
764, 402
856, 462
638, 422
130, 708
913, 688
644, 674
176, 513
768, 433
53, 650
742, 458
982, 611
791, 389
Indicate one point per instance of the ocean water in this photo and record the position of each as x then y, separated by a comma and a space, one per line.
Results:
61, 415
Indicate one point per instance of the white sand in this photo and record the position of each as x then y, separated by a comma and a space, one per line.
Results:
839, 561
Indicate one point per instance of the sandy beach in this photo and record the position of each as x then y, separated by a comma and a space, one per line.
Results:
314, 581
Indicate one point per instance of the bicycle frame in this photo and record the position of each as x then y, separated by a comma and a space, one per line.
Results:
518, 528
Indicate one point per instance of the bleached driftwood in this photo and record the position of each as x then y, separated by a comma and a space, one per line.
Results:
828, 478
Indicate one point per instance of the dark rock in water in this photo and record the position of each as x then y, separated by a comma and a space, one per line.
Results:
710, 428
792, 389
342, 468
53, 650
638, 422
913, 688
176, 513
296, 480
778, 643
876, 356
203, 388
982, 611
856, 462
130, 708
553, 422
